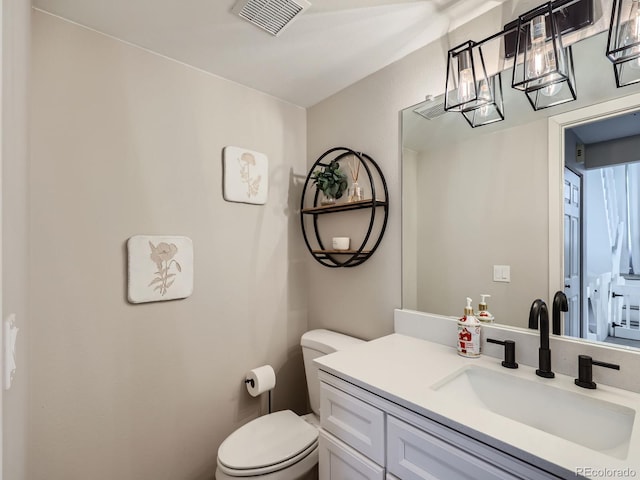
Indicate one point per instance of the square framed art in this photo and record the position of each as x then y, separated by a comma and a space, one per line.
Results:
160, 267
246, 176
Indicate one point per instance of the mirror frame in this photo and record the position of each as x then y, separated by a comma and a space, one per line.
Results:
557, 126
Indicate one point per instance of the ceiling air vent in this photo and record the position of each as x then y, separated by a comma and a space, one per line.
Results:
431, 109
270, 15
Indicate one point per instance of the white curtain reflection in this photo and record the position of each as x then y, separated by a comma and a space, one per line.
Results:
633, 205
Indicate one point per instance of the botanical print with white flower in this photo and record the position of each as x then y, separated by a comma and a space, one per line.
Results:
162, 255
160, 268
246, 176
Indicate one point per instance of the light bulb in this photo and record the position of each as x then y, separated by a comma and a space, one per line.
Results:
551, 90
554, 88
537, 63
631, 35
466, 83
542, 59
484, 94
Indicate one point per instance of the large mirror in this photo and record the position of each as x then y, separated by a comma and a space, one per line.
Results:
483, 207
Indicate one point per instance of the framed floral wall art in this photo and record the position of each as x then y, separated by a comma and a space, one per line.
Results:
159, 268
246, 175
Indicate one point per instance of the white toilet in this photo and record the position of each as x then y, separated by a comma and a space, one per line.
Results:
282, 445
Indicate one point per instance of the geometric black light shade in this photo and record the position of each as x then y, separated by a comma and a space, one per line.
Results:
562, 91
623, 45
466, 74
489, 112
543, 68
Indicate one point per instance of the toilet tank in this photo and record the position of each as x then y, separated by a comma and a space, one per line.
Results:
317, 343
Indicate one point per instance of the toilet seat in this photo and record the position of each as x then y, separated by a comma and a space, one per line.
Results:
267, 444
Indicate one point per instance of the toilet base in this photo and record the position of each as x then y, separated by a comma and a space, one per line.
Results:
311, 475
305, 469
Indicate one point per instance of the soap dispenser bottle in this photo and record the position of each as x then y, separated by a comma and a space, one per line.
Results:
483, 314
469, 328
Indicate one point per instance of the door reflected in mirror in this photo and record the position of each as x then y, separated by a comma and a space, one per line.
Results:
602, 229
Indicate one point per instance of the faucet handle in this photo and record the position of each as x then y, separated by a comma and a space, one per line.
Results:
585, 370
509, 352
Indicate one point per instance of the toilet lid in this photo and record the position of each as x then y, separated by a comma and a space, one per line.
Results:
266, 441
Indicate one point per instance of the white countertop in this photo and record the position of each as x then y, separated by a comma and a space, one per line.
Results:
403, 369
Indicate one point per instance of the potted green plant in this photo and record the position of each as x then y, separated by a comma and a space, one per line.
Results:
331, 181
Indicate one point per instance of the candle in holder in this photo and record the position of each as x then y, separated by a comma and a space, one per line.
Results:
340, 243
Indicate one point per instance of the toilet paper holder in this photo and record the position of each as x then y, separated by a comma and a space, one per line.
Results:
253, 384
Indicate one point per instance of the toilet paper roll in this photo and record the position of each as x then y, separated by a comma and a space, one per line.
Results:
260, 380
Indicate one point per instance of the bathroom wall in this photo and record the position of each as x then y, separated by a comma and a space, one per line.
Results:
366, 117
14, 161
499, 200
126, 142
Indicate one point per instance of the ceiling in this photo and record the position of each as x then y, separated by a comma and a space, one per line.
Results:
612, 128
329, 46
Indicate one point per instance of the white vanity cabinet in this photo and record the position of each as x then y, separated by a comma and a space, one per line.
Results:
366, 436
338, 461
433, 451
352, 439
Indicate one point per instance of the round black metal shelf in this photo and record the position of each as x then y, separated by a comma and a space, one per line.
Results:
378, 206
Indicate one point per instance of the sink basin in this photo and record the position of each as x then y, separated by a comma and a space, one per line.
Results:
593, 423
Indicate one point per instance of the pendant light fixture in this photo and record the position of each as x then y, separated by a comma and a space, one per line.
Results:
562, 91
492, 111
623, 44
466, 74
542, 65
543, 68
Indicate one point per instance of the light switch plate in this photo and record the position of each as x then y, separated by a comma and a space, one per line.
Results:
502, 273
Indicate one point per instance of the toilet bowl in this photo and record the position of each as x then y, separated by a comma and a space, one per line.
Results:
282, 445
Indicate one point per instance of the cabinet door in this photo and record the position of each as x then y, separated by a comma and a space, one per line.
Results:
338, 461
353, 421
413, 454
391, 477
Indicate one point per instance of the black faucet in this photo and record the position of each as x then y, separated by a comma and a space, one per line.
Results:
560, 304
540, 314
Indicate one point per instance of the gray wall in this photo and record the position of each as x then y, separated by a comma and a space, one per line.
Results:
15, 241
612, 152
483, 202
14, 299
366, 117
125, 142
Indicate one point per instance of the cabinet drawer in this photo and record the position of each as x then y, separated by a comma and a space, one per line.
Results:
338, 461
414, 454
353, 421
